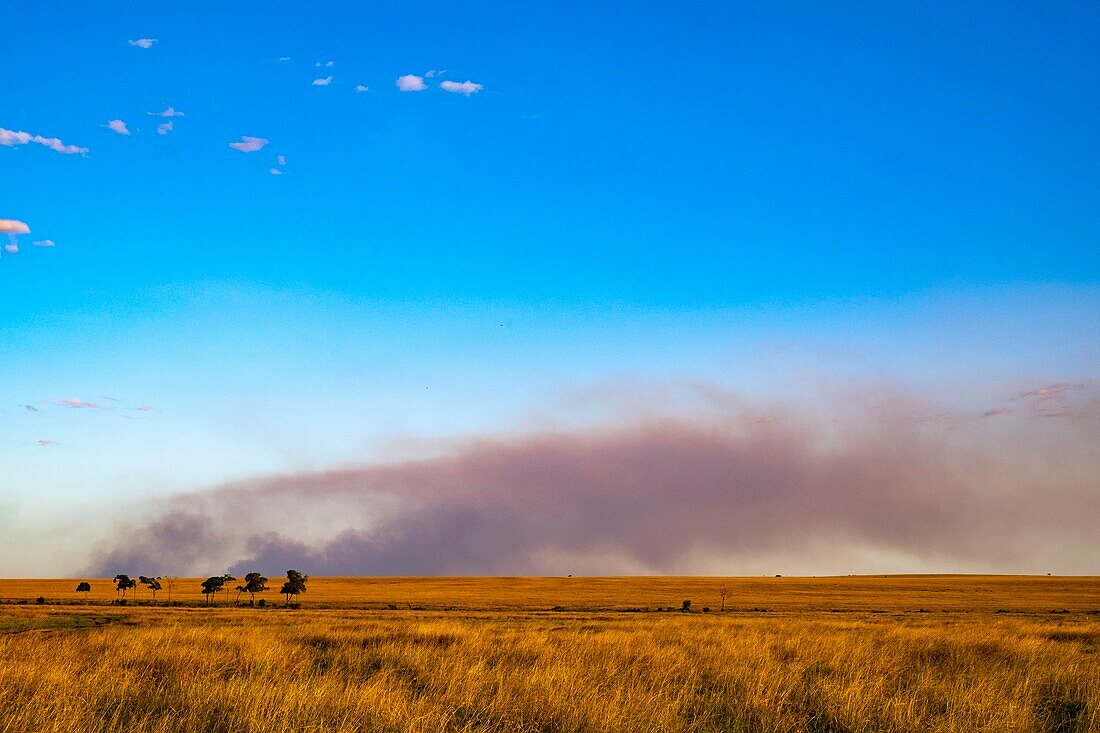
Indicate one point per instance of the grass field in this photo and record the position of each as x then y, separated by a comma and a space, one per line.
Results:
913, 653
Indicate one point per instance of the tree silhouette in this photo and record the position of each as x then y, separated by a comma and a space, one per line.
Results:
153, 583
295, 584
253, 583
227, 578
83, 587
723, 593
212, 586
123, 584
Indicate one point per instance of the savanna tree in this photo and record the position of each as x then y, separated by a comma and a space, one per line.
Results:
212, 586
227, 578
124, 583
253, 583
153, 585
83, 587
295, 584
723, 593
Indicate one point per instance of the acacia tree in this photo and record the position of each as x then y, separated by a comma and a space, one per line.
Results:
227, 578
295, 584
153, 583
723, 593
212, 586
124, 583
253, 583
83, 587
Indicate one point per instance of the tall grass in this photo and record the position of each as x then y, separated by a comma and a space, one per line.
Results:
146, 670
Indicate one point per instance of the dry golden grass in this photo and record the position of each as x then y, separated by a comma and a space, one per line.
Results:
69, 668
854, 593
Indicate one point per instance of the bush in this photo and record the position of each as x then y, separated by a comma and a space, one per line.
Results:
262, 602
40, 599
685, 606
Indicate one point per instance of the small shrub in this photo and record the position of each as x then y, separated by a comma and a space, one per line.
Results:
262, 602
685, 606
40, 600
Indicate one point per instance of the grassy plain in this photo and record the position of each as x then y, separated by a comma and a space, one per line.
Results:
829, 655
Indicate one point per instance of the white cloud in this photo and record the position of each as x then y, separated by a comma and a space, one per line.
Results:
466, 87
249, 144
13, 226
322, 82
361, 88
281, 160
169, 112
44, 243
275, 172
144, 42
118, 126
11, 137
319, 65
165, 128
284, 58
411, 83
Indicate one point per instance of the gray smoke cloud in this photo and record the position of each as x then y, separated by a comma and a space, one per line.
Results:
902, 482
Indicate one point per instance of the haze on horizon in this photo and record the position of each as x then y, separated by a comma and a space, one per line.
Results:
458, 289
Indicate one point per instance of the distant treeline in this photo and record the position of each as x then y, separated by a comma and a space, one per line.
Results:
253, 584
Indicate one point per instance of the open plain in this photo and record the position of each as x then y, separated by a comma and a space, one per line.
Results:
884, 653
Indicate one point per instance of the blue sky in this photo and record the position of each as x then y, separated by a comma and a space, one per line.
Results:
783, 199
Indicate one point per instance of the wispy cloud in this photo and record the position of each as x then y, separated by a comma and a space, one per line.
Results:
76, 404
361, 88
118, 126
411, 83
48, 442
11, 137
144, 408
143, 42
275, 172
11, 247
1053, 392
284, 58
465, 87
44, 243
998, 411
327, 65
249, 144
281, 160
168, 112
30, 408
165, 128
322, 82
